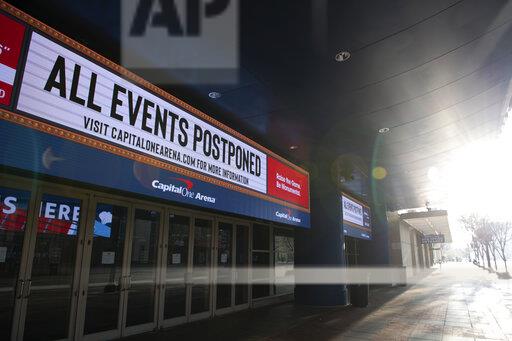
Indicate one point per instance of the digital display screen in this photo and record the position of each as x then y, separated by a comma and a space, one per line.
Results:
95, 101
356, 218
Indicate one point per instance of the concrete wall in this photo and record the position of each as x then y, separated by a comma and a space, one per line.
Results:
405, 248
408, 259
395, 246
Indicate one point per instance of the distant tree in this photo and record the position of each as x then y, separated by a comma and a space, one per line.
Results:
494, 244
476, 248
480, 229
502, 232
467, 253
484, 235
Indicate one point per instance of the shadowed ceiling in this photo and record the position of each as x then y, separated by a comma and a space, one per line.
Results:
436, 73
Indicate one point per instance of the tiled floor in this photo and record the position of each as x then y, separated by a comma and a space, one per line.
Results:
457, 302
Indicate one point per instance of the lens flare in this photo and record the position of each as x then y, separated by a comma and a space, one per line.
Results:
379, 173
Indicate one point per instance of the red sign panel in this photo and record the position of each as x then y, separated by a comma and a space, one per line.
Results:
17, 221
12, 221
286, 183
11, 39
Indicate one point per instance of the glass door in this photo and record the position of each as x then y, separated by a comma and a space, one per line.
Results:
261, 261
14, 221
241, 294
54, 258
284, 258
200, 276
103, 271
224, 269
232, 267
176, 259
141, 281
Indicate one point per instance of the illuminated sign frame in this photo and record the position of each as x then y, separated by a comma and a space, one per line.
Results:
356, 217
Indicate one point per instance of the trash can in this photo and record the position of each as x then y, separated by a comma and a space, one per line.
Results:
359, 295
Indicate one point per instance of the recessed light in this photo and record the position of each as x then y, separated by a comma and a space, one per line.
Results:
294, 147
214, 94
383, 130
342, 56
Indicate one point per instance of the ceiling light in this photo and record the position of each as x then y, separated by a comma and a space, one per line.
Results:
383, 130
214, 94
294, 147
342, 56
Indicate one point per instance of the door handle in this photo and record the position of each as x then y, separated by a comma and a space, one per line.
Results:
19, 288
128, 282
122, 286
29, 285
118, 284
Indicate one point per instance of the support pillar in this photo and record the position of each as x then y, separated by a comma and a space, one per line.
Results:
322, 244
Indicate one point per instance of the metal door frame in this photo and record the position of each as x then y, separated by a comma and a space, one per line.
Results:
165, 323
246, 305
145, 327
209, 313
67, 192
215, 265
84, 283
234, 223
89, 198
19, 289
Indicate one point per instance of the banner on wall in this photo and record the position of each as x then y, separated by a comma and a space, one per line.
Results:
93, 102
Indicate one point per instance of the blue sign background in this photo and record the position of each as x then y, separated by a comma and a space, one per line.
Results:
25, 148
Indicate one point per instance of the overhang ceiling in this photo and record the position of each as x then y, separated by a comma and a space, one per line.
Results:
429, 222
435, 72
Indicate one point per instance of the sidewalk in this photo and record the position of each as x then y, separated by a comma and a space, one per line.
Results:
458, 302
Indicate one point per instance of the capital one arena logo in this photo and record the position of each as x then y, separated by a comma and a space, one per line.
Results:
182, 187
286, 214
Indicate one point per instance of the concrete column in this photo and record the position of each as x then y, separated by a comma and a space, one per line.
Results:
394, 242
414, 249
420, 251
426, 253
376, 252
322, 245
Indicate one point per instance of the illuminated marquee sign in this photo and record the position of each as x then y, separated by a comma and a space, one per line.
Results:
356, 218
62, 87
66, 90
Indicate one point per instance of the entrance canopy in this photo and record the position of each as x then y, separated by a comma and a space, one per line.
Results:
429, 222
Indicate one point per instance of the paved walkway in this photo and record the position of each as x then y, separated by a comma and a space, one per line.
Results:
458, 302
